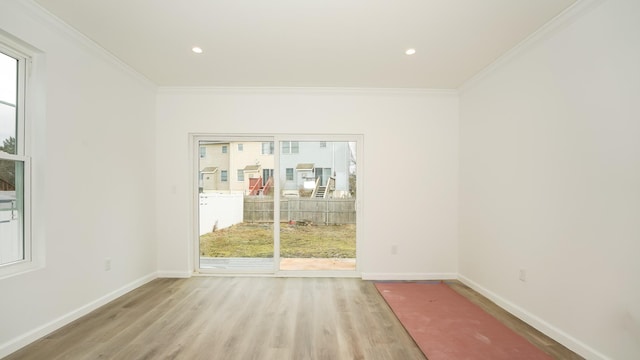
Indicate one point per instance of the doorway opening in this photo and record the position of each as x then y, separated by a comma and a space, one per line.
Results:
276, 204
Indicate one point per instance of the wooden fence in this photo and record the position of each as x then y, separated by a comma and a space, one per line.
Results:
315, 211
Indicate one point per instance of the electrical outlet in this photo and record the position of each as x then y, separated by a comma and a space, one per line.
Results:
394, 249
107, 264
523, 275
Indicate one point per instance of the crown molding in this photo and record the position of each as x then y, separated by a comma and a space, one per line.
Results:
49, 19
561, 21
306, 90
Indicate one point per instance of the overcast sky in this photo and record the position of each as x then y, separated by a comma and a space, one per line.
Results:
8, 77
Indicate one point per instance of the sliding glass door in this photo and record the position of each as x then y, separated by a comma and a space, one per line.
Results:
317, 205
235, 204
268, 204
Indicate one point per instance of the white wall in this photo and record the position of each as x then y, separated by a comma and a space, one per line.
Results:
406, 134
93, 188
550, 181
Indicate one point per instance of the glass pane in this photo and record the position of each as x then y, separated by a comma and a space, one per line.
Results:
317, 206
11, 211
236, 206
8, 101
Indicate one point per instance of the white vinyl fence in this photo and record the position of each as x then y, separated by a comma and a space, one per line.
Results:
220, 210
10, 242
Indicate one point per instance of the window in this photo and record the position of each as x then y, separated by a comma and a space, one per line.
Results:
15, 240
241, 175
267, 148
289, 175
203, 152
224, 149
266, 175
223, 175
290, 147
323, 174
240, 147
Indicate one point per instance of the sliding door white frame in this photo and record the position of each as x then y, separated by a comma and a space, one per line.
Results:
194, 141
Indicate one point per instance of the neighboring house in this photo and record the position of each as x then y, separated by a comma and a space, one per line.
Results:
248, 167
305, 164
251, 164
235, 166
214, 167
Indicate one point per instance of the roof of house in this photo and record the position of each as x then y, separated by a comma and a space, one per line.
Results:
209, 169
252, 168
305, 166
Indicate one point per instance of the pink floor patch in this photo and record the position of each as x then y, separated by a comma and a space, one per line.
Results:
447, 326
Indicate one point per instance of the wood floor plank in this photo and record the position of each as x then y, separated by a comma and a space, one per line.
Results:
240, 318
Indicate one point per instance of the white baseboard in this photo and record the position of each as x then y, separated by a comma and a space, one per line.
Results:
409, 276
551, 331
33, 335
174, 274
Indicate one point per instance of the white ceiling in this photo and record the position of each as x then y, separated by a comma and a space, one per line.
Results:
318, 43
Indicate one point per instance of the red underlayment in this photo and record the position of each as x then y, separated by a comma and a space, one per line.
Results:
447, 326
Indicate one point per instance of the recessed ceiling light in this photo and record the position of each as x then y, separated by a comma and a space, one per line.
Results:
410, 51
196, 50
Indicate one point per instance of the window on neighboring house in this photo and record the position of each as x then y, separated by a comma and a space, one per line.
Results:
223, 175
266, 175
15, 240
323, 144
241, 175
203, 152
289, 174
267, 148
290, 147
224, 149
240, 147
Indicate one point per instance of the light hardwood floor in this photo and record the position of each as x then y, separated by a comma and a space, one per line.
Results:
244, 318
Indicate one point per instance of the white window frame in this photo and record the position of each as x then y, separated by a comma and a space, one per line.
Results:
224, 176
240, 175
277, 140
33, 255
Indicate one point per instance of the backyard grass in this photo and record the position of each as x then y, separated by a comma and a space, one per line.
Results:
256, 240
